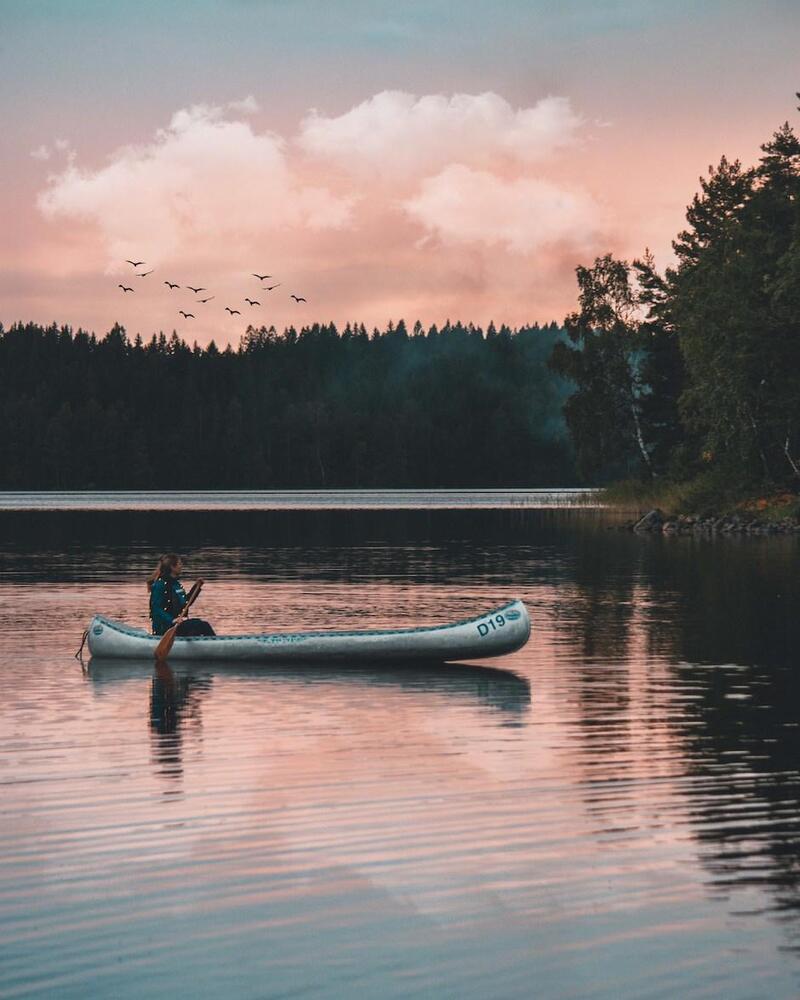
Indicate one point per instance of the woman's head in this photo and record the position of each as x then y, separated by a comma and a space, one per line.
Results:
169, 564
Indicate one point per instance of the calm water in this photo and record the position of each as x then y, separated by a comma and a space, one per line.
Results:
611, 812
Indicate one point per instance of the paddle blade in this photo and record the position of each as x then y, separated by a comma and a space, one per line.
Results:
164, 647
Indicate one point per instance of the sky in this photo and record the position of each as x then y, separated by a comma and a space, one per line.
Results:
415, 160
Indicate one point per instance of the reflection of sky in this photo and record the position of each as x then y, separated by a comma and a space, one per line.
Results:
664, 90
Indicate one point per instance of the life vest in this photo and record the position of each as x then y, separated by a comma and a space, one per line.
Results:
174, 596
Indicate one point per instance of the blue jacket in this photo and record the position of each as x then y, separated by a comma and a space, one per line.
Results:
167, 600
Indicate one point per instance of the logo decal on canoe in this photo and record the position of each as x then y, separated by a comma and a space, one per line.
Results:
513, 615
98, 630
273, 640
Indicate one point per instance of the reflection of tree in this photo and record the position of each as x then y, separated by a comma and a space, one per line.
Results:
731, 598
743, 747
668, 625
174, 701
735, 602
595, 601
703, 600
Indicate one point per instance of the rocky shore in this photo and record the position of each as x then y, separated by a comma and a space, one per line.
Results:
655, 521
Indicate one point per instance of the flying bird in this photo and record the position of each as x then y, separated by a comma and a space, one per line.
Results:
233, 312
125, 288
208, 299
269, 289
252, 302
136, 263
196, 290
171, 284
144, 273
297, 298
186, 315
261, 277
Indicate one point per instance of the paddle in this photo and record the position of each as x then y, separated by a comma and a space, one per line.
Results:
167, 639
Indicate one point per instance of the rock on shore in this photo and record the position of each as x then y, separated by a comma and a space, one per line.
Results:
692, 524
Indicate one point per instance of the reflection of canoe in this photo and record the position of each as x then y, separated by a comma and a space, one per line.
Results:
489, 686
492, 634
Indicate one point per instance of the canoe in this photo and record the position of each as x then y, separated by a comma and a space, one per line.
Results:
494, 633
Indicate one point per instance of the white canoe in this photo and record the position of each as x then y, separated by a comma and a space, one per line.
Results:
492, 634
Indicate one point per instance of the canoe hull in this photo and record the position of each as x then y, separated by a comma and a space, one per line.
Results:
495, 633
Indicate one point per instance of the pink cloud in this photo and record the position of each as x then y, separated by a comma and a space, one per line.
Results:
397, 133
524, 214
205, 181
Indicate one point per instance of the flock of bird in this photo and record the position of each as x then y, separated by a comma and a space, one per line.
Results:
187, 315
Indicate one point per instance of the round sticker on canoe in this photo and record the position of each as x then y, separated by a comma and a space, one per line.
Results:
98, 630
512, 615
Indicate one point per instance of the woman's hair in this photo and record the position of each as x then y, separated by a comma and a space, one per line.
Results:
166, 563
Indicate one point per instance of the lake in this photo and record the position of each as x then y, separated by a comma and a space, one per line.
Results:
612, 811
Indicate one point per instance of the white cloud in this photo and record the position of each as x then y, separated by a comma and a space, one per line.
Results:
461, 205
45, 152
200, 182
397, 133
246, 106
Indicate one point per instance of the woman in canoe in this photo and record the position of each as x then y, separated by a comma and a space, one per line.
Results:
168, 599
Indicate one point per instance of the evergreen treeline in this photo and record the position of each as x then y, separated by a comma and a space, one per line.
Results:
308, 409
693, 375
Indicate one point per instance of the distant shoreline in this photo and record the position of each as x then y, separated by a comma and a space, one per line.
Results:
375, 499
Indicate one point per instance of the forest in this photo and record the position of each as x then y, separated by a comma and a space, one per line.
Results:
692, 376
308, 409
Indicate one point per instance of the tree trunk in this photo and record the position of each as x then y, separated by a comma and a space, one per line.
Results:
757, 436
787, 453
639, 438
